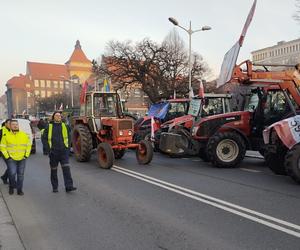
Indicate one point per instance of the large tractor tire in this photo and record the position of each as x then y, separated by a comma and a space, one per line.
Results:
226, 149
275, 160
144, 153
292, 163
119, 153
105, 155
82, 143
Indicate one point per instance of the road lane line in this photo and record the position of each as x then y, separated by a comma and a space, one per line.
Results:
213, 200
251, 170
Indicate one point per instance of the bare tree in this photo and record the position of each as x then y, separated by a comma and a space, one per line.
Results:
158, 68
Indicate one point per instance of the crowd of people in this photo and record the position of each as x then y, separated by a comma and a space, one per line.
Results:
15, 148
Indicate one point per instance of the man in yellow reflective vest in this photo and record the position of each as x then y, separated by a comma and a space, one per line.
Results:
57, 135
3, 130
15, 147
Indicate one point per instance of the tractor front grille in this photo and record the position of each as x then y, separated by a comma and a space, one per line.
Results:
125, 124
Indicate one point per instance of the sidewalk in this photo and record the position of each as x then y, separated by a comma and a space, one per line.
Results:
9, 237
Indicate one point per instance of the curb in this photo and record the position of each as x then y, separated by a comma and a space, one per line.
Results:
9, 236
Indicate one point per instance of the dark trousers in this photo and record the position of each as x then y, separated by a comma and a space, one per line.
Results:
16, 168
61, 157
5, 175
45, 145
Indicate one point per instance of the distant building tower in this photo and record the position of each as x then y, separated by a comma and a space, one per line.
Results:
287, 53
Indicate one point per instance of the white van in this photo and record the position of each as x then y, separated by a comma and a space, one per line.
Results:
25, 126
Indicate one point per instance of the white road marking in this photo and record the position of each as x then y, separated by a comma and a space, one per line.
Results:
227, 206
196, 160
251, 170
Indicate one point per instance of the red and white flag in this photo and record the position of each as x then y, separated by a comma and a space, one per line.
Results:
201, 90
152, 128
247, 23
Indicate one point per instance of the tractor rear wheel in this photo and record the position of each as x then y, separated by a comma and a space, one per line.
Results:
119, 153
144, 153
105, 155
292, 163
226, 149
82, 143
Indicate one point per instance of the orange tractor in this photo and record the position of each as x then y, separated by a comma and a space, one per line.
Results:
102, 125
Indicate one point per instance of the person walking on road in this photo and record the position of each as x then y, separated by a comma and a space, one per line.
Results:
41, 126
58, 138
3, 130
15, 147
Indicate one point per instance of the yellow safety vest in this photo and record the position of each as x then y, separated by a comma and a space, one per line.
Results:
15, 145
42, 131
64, 134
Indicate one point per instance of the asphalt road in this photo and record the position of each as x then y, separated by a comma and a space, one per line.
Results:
169, 204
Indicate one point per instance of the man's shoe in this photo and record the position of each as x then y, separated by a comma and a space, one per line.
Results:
55, 190
70, 189
20, 192
4, 180
11, 191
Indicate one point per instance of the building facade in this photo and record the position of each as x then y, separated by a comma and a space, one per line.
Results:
44, 80
283, 53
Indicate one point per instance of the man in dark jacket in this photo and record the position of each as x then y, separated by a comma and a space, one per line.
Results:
57, 135
5, 128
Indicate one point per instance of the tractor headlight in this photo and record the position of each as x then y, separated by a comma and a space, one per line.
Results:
121, 132
129, 132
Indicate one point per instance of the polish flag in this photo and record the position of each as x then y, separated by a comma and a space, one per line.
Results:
201, 90
152, 128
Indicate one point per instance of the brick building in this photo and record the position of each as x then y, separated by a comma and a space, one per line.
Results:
44, 80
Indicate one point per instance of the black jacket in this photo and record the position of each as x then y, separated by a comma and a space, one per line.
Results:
57, 137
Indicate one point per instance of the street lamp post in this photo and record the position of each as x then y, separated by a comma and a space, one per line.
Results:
190, 32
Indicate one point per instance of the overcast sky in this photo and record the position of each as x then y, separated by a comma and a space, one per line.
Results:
46, 30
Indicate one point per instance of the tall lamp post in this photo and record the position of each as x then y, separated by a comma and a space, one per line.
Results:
190, 32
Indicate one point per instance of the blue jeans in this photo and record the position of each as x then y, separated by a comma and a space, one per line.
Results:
16, 168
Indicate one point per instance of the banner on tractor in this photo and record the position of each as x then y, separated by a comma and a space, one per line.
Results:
159, 110
288, 130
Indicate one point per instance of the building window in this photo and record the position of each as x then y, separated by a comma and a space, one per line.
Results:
297, 47
61, 84
55, 84
28, 94
48, 84
49, 93
43, 93
55, 93
36, 83
28, 85
42, 83
67, 85
37, 93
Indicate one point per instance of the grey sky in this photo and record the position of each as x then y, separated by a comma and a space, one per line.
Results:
46, 30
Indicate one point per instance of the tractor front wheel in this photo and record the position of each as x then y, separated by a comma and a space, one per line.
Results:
226, 149
144, 153
105, 155
292, 163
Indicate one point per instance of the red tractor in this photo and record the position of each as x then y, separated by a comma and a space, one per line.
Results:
211, 104
282, 141
102, 125
223, 139
173, 108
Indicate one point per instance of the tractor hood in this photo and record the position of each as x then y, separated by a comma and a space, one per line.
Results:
177, 121
207, 126
287, 130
